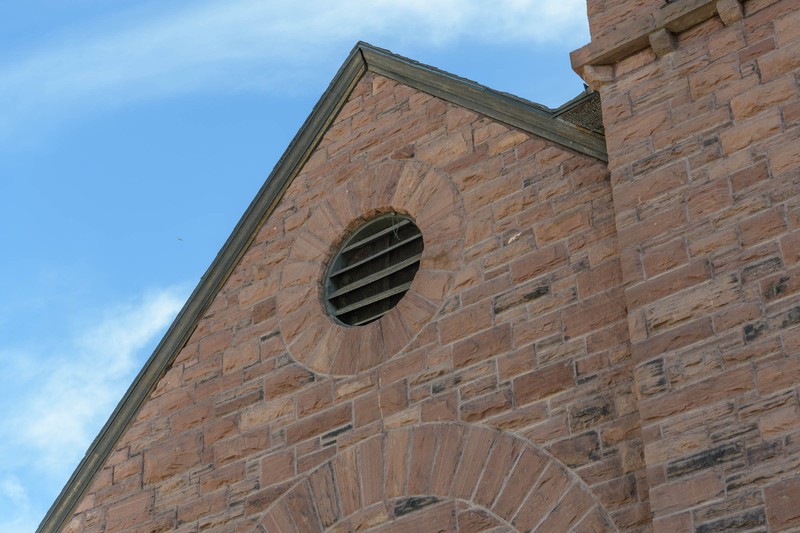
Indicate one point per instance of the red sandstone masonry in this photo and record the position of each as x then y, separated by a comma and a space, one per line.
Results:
705, 159
511, 346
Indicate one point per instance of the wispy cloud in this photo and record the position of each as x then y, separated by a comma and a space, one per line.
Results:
247, 44
62, 395
21, 519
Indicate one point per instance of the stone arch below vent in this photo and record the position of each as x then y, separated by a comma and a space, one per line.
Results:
439, 477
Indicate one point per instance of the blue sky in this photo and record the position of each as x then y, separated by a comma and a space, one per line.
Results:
133, 135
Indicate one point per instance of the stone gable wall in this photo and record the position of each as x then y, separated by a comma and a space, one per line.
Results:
498, 394
704, 146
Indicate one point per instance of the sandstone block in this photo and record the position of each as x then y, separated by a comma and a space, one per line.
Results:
662, 41
173, 456
781, 499
730, 11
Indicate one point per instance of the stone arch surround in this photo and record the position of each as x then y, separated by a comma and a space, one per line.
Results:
439, 477
409, 187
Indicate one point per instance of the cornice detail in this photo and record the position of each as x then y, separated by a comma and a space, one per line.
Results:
655, 30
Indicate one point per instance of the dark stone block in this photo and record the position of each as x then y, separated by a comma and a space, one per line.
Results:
409, 505
503, 303
752, 331
705, 459
741, 522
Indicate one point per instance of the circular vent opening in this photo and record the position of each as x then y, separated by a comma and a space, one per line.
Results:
373, 269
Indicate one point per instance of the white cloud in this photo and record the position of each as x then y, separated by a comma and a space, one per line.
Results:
20, 520
80, 382
11, 488
62, 394
247, 44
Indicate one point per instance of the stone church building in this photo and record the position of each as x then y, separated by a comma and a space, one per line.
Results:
450, 309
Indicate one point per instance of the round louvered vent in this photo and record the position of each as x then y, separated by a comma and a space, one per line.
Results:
373, 269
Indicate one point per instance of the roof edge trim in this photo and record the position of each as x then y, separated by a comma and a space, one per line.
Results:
503, 107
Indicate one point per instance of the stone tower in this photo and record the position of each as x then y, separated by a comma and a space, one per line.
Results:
702, 115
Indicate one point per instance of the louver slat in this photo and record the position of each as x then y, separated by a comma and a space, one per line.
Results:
376, 276
378, 297
371, 238
373, 270
373, 256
